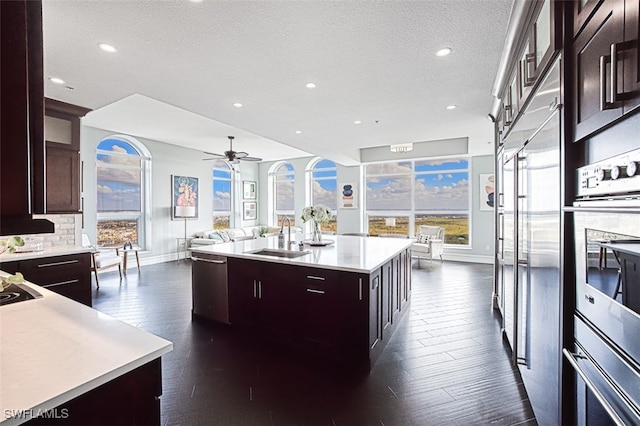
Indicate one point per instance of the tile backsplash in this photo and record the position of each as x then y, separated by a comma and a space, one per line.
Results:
67, 230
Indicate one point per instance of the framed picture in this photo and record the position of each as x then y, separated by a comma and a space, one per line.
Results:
249, 210
249, 190
348, 196
184, 202
487, 191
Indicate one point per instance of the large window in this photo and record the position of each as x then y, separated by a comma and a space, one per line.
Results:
323, 179
222, 194
282, 178
120, 174
403, 195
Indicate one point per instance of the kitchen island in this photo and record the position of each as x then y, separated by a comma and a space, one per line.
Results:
342, 301
64, 360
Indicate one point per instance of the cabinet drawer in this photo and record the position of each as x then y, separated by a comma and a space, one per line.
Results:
68, 275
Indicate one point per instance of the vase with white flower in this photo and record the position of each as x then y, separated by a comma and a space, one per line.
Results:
317, 215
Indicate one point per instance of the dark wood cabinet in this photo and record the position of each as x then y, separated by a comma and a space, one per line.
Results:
130, 399
62, 134
346, 316
606, 67
68, 275
22, 150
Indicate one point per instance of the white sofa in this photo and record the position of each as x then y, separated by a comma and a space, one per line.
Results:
219, 236
433, 246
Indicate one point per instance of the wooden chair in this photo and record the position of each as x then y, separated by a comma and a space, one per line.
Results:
102, 259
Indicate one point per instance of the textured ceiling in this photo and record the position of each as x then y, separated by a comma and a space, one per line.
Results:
371, 61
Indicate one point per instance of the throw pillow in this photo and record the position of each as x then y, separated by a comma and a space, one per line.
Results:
424, 239
225, 236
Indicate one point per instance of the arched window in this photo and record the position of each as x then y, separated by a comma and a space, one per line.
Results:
281, 194
323, 179
121, 169
222, 194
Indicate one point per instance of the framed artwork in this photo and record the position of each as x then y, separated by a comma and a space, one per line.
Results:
487, 191
249, 190
184, 201
249, 210
348, 196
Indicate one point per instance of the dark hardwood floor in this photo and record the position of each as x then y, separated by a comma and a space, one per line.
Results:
445, 365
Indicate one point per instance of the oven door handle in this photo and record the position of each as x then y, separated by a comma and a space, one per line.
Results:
571, 357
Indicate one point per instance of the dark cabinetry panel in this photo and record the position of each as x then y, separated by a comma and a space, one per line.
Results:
131, 399
68, 275
346, 315
606, 66
62, 133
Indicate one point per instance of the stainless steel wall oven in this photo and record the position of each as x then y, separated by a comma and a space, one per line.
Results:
606, 350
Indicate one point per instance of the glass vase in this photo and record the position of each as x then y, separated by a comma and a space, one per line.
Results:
316, 232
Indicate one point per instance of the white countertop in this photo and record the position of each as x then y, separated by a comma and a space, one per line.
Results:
48, 252
54, 349
348, 253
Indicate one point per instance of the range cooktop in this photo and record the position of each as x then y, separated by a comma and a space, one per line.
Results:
17, 293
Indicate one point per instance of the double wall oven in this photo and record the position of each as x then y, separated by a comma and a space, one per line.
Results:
606, 347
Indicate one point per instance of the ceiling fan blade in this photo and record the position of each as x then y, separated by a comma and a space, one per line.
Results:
241, 154
235, 161
251, 159
213, 153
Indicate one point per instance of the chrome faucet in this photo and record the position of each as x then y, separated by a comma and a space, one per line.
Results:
288, 229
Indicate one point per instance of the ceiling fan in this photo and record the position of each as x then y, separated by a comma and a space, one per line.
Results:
232, 156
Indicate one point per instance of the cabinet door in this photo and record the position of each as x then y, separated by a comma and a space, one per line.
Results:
628, 52
63, 180
582, 11
273, 300
592, 69
243, 291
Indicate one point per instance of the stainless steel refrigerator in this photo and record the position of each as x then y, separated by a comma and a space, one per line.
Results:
530, 222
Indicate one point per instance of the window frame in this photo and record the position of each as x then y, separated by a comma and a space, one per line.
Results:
274, 174
143, 216
413, 212
232, 198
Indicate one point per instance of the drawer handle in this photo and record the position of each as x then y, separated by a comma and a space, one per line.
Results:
66, 262
61, 283
571, 357
313, 277
200, 259
313, 290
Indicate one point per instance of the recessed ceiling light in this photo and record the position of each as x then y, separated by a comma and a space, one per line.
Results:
443, 52
357, 122
298, 132
451, 107
310, 85
56, 80
237, 105
107, 47
196, 1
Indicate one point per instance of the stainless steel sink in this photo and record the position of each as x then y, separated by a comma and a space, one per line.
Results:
279, 253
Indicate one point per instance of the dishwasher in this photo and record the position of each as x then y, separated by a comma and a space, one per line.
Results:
210, 291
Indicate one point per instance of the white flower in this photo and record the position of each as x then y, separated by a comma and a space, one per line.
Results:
318, 213
10, 244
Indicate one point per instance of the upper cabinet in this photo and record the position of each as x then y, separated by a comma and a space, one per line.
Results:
539, 47
605, 58
62, 135
540, 40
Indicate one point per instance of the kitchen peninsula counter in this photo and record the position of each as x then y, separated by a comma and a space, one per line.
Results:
48, 252
58, 353
338, 304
